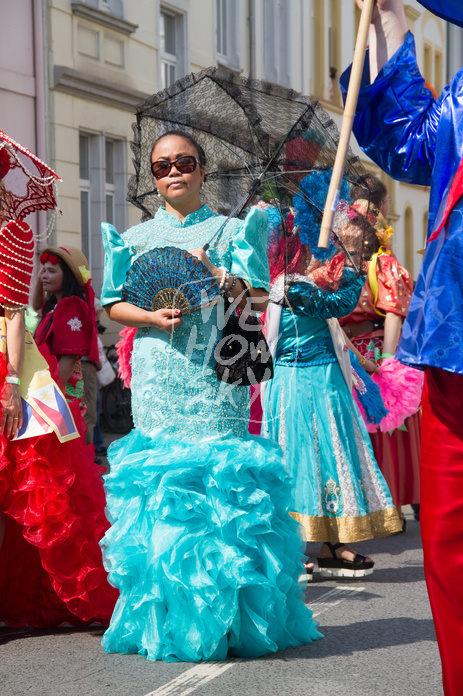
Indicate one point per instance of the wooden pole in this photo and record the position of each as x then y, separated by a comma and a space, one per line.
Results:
347, 123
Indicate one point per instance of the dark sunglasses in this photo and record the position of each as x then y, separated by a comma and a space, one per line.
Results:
186, 164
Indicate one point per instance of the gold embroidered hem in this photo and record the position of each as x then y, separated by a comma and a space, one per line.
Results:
348, 530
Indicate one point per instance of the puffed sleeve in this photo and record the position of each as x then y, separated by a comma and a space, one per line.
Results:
321, 304
117, 263
397, 117
395, 286
72, 328
249, 250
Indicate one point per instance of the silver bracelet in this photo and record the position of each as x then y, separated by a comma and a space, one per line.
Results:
230, 289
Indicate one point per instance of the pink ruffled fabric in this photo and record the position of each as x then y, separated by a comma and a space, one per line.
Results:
401, 388
124, 349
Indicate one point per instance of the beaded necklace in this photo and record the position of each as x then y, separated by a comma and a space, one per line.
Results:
177, 234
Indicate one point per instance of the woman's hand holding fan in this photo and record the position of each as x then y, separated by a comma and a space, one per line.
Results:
203, 257
171, 279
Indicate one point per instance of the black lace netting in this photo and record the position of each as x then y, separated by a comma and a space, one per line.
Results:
261, 140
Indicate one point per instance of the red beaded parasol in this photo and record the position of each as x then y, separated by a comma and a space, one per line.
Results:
28, 183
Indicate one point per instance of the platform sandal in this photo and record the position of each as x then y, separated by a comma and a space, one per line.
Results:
340, 568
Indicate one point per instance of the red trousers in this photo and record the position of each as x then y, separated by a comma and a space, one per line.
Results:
441, 516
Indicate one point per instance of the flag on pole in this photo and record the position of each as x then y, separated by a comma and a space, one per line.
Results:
451, 10
44, 406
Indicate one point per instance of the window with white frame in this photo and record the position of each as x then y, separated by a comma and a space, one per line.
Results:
227, 32
110, 189
84, 176
102, 195
276, 42
169, 36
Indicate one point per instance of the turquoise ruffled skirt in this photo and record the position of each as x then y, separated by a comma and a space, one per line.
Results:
202, 550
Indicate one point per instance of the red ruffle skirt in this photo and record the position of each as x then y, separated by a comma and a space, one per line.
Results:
52, 497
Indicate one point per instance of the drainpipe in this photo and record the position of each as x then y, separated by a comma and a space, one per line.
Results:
251, 36
41, 103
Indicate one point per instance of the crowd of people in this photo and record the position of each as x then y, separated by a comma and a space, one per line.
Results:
193, 547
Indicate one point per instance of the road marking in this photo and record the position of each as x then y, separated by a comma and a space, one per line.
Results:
193, 678
333, 597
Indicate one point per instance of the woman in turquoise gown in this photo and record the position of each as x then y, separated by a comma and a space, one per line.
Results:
339, 495
201, 546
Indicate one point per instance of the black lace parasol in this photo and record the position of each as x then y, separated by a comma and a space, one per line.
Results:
264, 143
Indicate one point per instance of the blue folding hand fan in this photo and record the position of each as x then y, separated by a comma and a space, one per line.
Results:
170, 278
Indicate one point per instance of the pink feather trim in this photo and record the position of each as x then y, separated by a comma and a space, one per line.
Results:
401, 388
124, 349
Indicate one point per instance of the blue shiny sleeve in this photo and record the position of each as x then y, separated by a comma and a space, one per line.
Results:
318, 303
397, 117
118, 260
249, 250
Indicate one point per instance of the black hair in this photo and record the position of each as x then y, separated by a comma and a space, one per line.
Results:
371, 189
69, 288
186, 136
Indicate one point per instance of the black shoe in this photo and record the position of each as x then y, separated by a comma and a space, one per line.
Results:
101, 451
339, 568
416, 511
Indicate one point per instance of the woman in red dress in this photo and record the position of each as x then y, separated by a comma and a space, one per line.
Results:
51, 493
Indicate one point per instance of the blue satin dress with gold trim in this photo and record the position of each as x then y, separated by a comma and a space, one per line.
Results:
201, 546
339, 493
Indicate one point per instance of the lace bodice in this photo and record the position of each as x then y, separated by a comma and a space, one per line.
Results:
174, 386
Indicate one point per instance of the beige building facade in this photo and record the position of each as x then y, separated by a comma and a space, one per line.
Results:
102, 57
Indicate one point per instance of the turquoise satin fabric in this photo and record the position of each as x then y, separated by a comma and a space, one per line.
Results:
321, 304
304, 341
118, 259
316, 353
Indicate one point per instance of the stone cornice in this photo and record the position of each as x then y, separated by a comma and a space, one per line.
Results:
105, 19
411, 16
412, 13
89, 87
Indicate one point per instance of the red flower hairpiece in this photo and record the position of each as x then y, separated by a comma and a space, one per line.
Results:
49, 258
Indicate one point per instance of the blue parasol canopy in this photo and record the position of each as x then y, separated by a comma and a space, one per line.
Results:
451, 10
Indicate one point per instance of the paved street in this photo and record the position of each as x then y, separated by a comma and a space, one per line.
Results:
379, 641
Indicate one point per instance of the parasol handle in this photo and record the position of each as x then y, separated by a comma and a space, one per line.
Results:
347, 123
